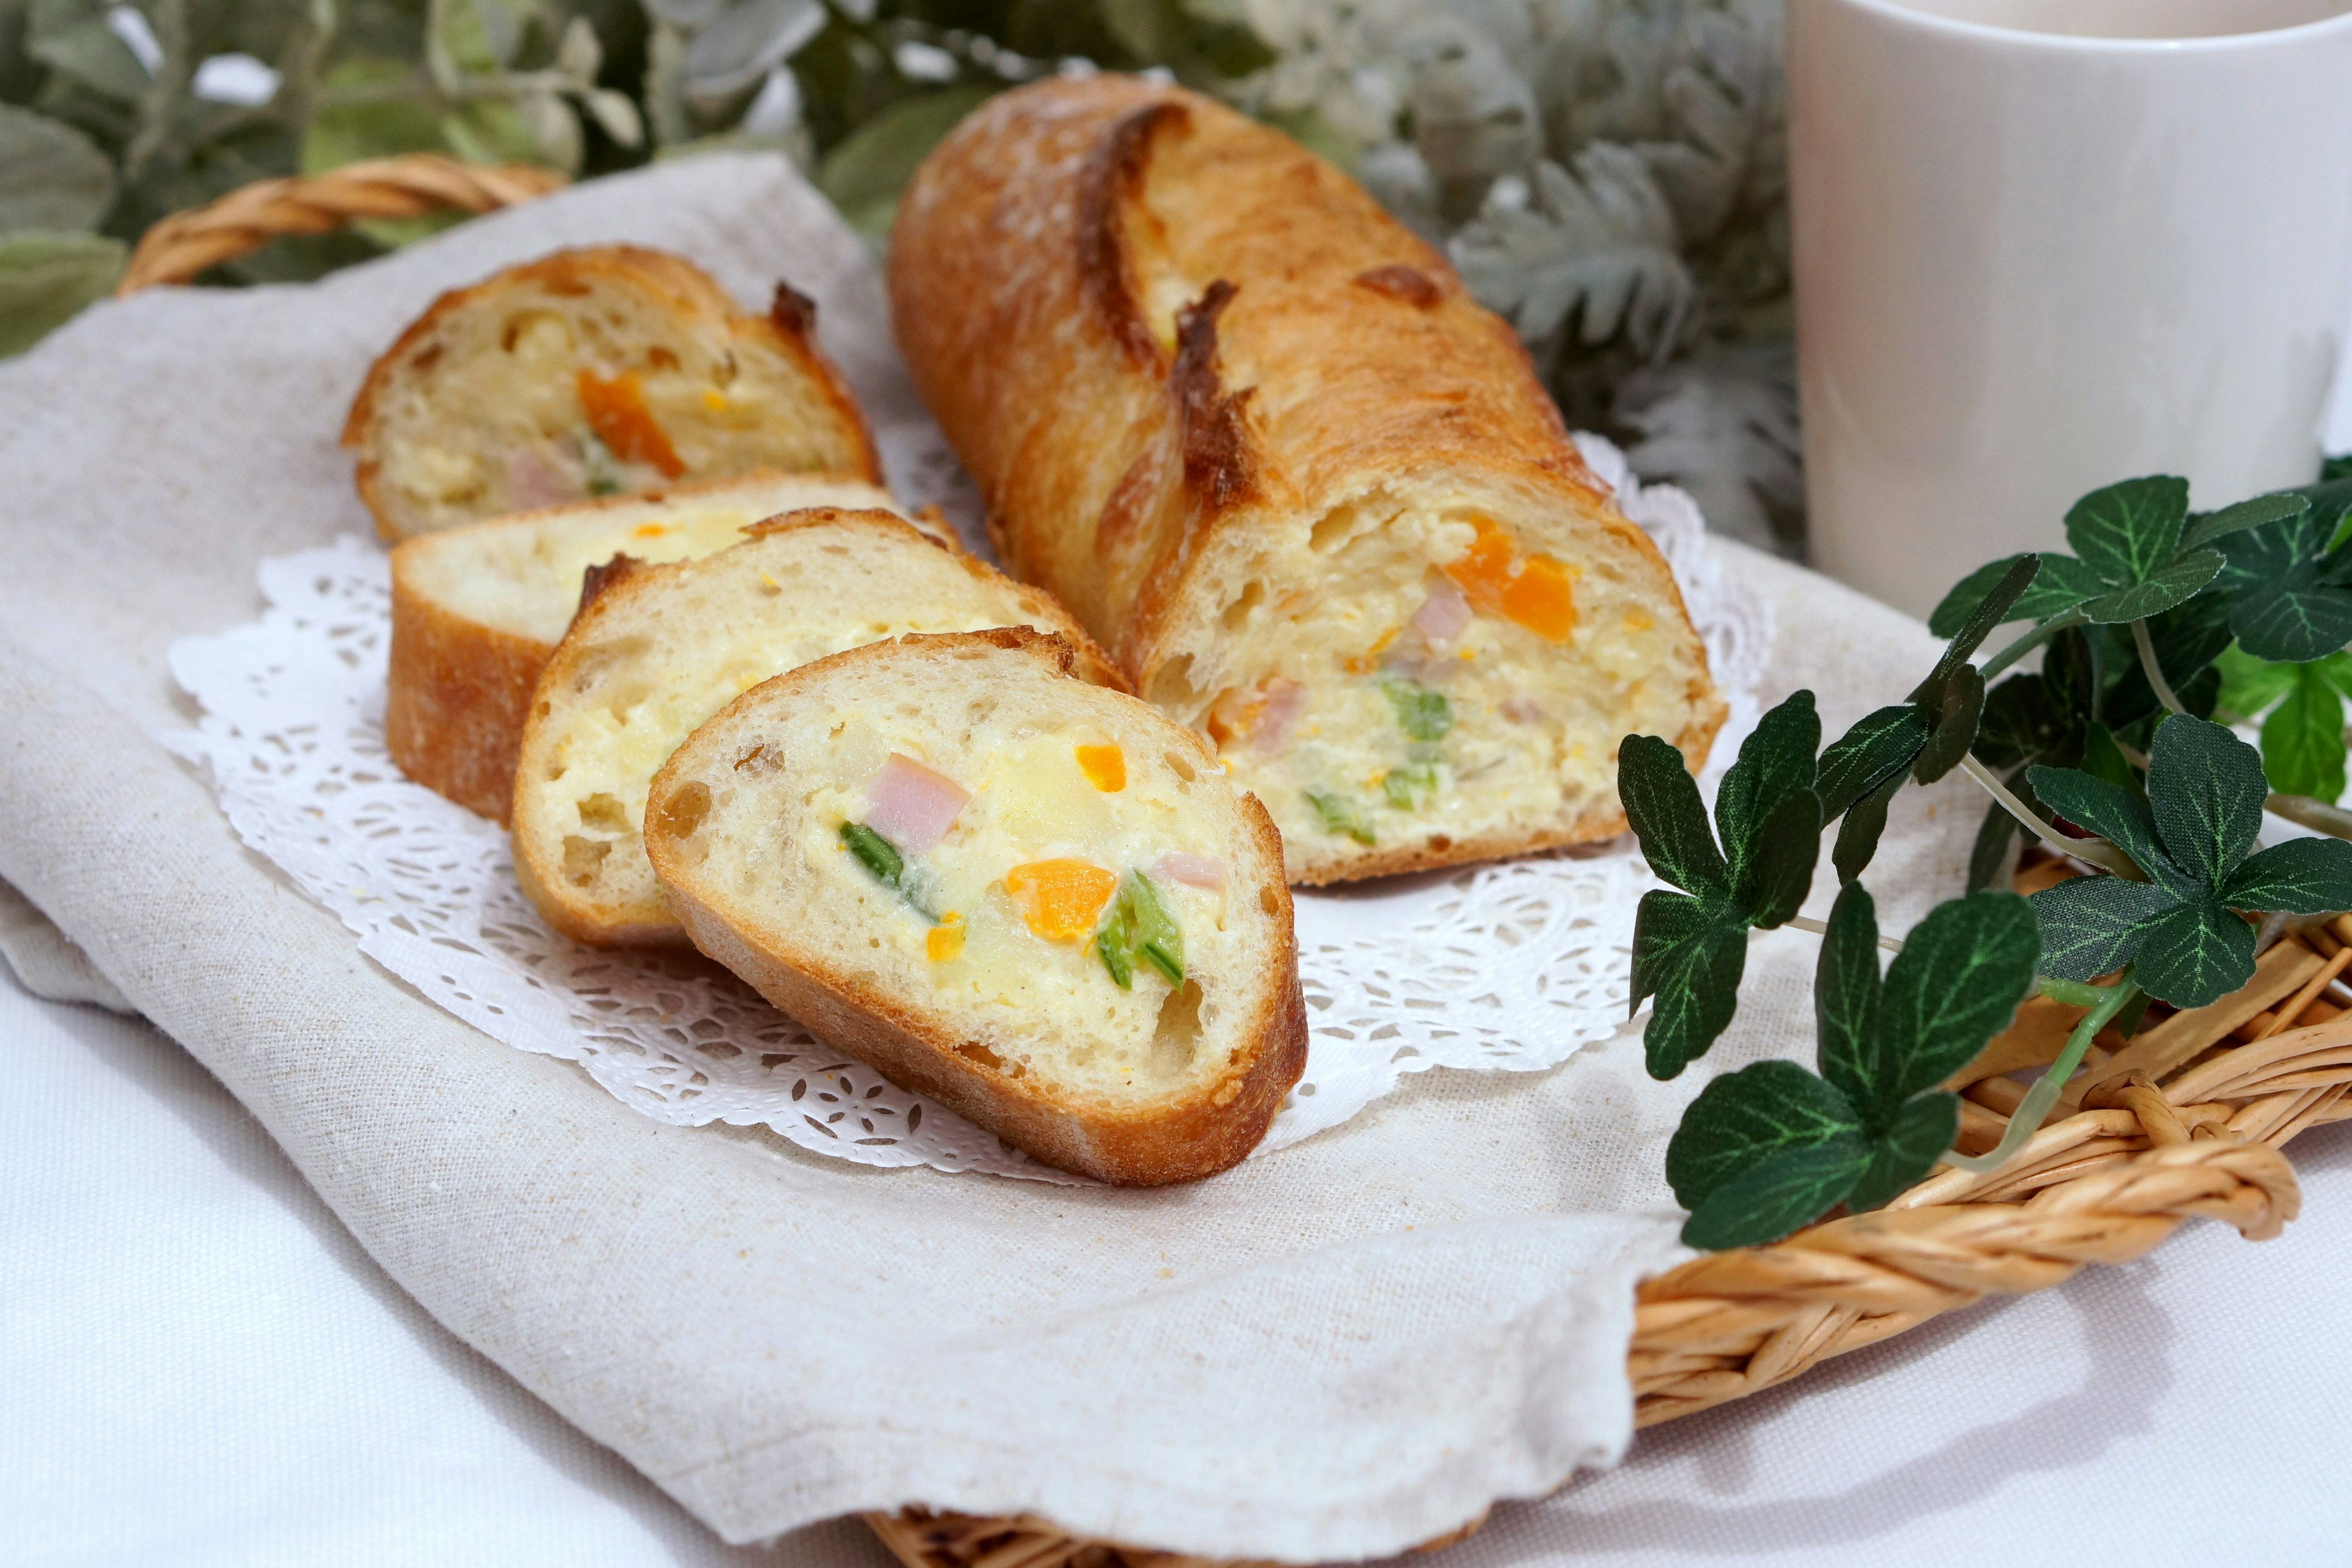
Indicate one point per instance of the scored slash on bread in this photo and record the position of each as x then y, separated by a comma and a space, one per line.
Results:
604, 370
1080, 938
1310, 494
658, 649
477, 612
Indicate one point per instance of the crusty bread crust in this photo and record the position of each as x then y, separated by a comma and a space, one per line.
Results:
579, 915
789, 328
457, 691
1126, 459
1211, 1129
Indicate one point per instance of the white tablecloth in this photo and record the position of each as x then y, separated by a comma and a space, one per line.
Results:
199, 1366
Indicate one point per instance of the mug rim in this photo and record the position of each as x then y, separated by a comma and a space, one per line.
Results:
1898, 12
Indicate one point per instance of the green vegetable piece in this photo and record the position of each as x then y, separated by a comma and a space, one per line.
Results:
1338, 815
875, 853
1421, 713
1116, 946
1412, 787
1158, 936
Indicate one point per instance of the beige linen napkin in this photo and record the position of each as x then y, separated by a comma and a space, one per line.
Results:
1337, 1349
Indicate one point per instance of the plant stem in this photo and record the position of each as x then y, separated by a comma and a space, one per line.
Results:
1821, 928
2031, 641
2153, 671
2098, 851
2315, 815
2029, 1118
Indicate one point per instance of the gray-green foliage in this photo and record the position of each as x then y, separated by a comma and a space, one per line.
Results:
1611, 175
113, 116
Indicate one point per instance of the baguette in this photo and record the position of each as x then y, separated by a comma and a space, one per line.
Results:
656, 650
1074, 931
477, 612
1309, 493
597, 371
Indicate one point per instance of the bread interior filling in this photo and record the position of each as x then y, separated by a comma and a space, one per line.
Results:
1409, 676
1074, 915
549, 399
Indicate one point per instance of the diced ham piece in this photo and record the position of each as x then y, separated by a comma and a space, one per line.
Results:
912, 806
1286, 701
1442, 615
1193, 870
536, 478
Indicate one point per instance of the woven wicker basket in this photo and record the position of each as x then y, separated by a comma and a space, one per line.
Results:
2184, 1121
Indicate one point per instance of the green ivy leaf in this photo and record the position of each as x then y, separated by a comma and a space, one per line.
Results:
1769, 815
2129, 533
2249, 685
1858, 834
1881, 745
1778, 1194
2060, 584
1956, 984
2112, 812
2172, 585
2092, 925
2286, 595
2206, 788
1958, 708
1746, 1117
2104, 759
1988, 863
2197, 952
2303, 737
1848, 999
2207, 527
2300, 877
2336, 467
1922, 1129
1663, 809
1689, 954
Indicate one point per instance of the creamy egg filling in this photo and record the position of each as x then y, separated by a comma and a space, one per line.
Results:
1419, 676
1025, 914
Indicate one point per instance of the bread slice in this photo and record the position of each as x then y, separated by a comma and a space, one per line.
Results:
658, 649
477, 612
1036, 900
598, 372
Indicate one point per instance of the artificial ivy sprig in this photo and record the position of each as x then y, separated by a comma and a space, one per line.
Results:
1691, 948
1763, 1150
1924, 737
2301, 707
2192, 834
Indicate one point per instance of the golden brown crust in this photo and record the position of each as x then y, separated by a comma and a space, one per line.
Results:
455, 700
1211, 1130
789, 327
1304, 348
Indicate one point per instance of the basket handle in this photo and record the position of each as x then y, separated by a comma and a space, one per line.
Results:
174, 250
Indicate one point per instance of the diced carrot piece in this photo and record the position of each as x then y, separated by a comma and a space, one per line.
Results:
616, 411
1104, 767
1542, 598
1060, 898
1483, 572
945, 940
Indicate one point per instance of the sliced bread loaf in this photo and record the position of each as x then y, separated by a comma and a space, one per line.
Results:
658, 649
590, 373
1036, 900
477, 612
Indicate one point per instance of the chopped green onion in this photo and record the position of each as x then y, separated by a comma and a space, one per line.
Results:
1421, 714
1410, 787
1338, 814
1140, 924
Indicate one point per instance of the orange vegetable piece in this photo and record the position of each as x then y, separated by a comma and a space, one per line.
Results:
1060, 898
1104, 767
616, 411
1542, 598
945, 940
1483, 572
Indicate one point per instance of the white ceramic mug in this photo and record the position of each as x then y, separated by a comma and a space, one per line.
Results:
2045, 245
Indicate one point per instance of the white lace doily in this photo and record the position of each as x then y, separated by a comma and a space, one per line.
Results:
1512, 967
